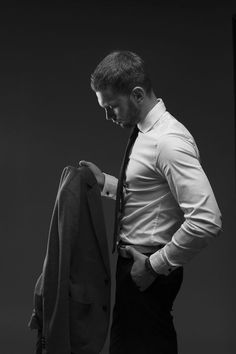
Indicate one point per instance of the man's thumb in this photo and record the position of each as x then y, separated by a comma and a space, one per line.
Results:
132, 251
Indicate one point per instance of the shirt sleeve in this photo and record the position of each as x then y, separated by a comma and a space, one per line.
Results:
110, 186
178, 161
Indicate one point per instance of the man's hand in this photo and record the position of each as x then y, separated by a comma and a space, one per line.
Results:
96, 171
139, 273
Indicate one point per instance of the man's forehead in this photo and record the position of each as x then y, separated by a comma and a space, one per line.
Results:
107, 97
104, 97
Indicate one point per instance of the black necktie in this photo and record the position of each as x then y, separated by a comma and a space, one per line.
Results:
119, 191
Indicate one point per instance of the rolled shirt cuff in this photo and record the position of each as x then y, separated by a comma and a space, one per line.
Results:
160, 264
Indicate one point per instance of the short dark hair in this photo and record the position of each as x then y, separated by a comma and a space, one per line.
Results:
122, 71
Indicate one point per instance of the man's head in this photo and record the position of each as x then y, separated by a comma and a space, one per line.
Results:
122, 87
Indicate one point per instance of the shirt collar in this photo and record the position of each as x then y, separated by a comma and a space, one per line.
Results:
152, 117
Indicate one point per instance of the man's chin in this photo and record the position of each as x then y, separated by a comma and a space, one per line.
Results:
126, 125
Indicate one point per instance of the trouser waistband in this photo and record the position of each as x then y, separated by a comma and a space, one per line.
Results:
148, 250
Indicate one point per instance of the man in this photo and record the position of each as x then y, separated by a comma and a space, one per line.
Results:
168, 209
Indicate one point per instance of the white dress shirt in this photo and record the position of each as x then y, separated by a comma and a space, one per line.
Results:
168, 198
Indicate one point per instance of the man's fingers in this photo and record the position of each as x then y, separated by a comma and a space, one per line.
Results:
90, 165
132, 251
84, 163
100, 177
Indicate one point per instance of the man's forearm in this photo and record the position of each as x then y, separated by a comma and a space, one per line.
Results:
181, 249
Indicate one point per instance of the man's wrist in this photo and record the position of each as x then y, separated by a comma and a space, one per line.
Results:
149, 268
110, 186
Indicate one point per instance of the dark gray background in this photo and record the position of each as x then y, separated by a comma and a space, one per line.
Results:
50, 119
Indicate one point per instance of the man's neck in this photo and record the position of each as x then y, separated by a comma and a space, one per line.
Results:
149, 103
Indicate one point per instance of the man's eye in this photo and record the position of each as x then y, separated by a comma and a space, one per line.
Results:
110, 108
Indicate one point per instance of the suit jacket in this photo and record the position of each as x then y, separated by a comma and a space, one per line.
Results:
72, 295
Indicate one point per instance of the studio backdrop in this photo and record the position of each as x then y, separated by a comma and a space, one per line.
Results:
50, 119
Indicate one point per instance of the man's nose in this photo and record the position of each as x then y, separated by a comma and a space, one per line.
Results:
110, 113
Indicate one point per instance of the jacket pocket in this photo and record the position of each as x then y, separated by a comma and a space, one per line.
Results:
80, 317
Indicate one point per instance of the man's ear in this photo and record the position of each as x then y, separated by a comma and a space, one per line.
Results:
138, 94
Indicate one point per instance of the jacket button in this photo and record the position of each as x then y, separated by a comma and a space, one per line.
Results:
43, 342
104, 307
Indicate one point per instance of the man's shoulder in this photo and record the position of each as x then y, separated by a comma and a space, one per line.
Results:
176, 145
170, 130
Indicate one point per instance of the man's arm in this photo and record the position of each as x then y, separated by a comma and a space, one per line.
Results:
178, 162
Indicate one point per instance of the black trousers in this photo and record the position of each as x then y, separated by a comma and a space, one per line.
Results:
142, 321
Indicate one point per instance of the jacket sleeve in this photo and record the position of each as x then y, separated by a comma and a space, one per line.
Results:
59, 332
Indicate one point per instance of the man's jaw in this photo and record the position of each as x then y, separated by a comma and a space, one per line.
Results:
123, 124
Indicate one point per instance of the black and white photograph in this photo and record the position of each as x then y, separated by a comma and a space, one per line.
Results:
118, 177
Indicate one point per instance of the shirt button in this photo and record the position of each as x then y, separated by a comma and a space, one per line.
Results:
107, 193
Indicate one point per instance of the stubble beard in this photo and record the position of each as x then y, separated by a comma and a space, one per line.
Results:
133, 113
